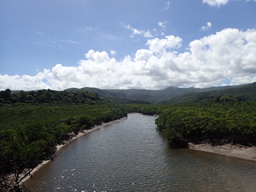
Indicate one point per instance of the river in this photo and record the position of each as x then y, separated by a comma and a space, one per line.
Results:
131, 155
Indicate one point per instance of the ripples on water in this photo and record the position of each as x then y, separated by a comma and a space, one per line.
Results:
131, 156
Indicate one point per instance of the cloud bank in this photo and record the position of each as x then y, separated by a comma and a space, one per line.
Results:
209, 61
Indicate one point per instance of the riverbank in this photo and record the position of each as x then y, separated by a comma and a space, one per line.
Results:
238, 151
80, 134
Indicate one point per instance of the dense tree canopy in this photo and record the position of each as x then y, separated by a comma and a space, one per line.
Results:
29, 133
48, 96
215, 124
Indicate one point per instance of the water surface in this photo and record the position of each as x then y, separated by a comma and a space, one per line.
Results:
131, 155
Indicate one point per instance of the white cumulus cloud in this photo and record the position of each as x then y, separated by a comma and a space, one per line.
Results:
209, 61
160, 45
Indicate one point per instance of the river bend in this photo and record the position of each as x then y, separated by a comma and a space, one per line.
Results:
131, 155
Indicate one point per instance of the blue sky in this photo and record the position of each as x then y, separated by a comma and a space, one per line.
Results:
149, 44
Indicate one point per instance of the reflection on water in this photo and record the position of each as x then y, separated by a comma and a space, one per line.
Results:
132, 156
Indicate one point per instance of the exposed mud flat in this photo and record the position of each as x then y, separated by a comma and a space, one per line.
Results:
238, 151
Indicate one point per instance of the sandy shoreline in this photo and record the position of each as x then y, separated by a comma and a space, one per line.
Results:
80, 134
238, 151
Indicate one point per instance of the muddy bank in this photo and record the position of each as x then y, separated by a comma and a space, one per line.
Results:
238, 151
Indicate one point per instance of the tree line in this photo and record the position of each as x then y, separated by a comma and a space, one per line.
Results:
31, 138
235, 124
48, 96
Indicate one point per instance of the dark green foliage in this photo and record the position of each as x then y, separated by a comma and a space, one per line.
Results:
49, 96
215, 125
145, 109
29, 134
127, 101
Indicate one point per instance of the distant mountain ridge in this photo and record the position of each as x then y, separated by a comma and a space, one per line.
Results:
153, 96
236, 94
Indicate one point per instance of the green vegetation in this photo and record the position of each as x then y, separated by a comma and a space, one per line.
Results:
216, 117
48, 96
29, 134
225, 123
32, 123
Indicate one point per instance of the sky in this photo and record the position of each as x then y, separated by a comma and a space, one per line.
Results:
121, 44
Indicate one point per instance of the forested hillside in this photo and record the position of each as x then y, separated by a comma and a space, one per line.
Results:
61, 97
152, 96
234, 94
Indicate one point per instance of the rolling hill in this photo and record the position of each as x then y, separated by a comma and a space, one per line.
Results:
168, 95
238, 93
